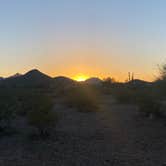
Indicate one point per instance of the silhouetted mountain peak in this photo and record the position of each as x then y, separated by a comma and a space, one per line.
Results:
15, 75
34, 71
94, 81
62, 82
36, 74
138, 81
63, 78
33, 78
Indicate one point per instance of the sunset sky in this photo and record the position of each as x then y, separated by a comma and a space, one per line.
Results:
83, 37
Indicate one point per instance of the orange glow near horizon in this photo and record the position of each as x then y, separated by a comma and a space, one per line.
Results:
80, 78
82, 72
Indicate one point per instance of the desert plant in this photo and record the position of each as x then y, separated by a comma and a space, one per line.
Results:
124, 94
83, 98
41, 115
8, 108
162, 72
108, 81
160, 83
148, 105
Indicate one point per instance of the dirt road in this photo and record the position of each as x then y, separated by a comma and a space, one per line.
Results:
114, 136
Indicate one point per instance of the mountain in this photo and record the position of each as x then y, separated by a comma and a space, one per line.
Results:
1, 78
36, 75
62, 79
138, 82
63, 82
15, 75
93, 81
33, 78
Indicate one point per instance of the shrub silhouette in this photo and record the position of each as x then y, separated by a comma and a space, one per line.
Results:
107, 82
125, 94
41, 115
160, 83
149, 105
8, 106
84, 98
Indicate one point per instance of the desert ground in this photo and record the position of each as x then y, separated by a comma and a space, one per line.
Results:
114, 136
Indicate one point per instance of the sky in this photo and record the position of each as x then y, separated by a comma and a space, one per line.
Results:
103, 38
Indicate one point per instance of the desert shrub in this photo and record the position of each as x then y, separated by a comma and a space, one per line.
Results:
162, 72
26, 102
41, 115
128, 94
26, 99
107, 85
8, 106
84, 98
160, 83
107, 82
149, 106
125, 95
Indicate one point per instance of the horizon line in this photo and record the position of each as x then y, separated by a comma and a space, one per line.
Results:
72, 78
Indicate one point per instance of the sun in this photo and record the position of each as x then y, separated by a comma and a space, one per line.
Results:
80, 78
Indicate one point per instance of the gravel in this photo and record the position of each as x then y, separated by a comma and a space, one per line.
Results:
114, 136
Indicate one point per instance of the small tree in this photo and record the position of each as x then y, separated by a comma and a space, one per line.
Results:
108, 81
41, 115
149, 106
160, 86
162, 72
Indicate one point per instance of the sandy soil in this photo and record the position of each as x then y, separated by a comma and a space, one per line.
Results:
114, 136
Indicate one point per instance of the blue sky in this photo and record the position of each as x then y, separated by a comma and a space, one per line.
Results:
91, 37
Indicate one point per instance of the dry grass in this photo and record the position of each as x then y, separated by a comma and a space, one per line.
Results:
84, 98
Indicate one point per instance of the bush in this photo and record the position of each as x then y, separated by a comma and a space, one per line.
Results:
26, 99
107, 82
149, 106
84, 98
125, 94
8, 106
41, 115
160, 83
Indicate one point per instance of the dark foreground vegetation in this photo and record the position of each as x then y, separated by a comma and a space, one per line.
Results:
55, 111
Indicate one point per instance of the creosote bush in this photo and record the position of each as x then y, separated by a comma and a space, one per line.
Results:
125, 95
144, 97
8, 106
83, 98
41, 115
149, 106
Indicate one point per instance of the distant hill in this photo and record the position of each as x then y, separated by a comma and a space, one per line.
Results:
94, 81
36, 75
63, 82
33, 78
138, 82
62, 79
15, 75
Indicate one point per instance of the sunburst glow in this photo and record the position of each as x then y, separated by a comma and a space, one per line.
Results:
80, 78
